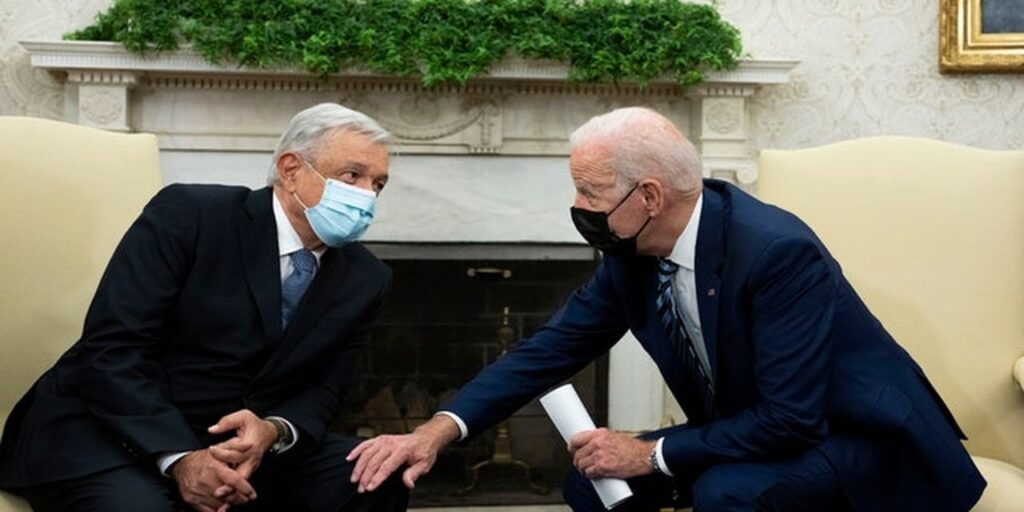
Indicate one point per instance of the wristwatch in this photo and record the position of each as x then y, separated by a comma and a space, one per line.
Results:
654, 460
284, 435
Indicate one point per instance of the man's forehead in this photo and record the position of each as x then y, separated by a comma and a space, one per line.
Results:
591, 170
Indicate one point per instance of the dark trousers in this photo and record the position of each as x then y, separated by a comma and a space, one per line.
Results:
803, 483
308, 478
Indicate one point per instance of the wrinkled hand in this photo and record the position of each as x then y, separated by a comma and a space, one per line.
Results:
602, 453
253, 437
202, 480
381, 456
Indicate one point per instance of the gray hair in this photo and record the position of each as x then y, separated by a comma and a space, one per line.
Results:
307, 129
643, 144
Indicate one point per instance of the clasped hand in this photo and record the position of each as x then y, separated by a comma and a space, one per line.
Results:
213, 479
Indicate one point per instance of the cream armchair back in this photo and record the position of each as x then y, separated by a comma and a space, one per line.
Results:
931, 235
67, 195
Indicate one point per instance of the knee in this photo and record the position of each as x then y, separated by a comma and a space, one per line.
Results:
579, 493
723, 488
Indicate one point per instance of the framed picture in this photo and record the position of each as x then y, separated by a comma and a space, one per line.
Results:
981, 36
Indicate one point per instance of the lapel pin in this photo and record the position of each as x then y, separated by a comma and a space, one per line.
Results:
711, 292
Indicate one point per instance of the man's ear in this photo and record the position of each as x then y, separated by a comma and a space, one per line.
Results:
652, 193
288, 166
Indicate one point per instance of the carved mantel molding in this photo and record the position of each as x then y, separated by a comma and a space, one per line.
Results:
520, 108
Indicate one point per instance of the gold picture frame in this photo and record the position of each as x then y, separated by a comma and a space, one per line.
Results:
965, 47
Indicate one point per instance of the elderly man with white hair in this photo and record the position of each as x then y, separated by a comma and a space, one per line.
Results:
797, 398
217, 347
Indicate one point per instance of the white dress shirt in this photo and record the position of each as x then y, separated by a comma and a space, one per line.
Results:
684, 254
288, 241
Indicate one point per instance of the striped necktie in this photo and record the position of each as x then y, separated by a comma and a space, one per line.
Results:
695, 374
295, 285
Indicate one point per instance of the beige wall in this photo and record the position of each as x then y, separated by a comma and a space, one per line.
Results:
868, 67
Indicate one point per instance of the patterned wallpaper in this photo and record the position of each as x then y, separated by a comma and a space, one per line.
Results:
868, 67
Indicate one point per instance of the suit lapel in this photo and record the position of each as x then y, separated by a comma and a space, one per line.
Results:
261, 261
708, 265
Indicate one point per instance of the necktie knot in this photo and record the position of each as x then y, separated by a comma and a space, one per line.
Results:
666, 267
303, 260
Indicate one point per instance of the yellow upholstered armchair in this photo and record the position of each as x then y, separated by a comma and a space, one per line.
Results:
931, 235
67, 195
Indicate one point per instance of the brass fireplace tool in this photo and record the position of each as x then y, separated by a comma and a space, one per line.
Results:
502, 455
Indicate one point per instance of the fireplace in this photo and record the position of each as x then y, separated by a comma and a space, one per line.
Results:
445, 320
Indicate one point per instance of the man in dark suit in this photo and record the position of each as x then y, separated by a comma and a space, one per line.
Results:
218, 344
796, 396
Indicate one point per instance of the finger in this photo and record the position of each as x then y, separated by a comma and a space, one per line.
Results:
230, 422
236, 498
224, 508
373, 466
237, 444
584, 451
414, 472
364, 459
363, 446
232, 478
228, 456
386, 468
223, 491
580, 439
247, 468
203, 502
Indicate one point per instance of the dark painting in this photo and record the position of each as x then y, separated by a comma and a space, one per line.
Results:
1002, 16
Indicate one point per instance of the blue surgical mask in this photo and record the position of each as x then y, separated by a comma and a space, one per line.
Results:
343, 213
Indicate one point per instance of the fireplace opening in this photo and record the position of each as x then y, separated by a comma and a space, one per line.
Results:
443, 322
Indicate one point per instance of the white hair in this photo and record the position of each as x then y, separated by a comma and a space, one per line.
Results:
642, 143
307, 129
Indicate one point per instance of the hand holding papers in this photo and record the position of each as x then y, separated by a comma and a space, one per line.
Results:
566, 411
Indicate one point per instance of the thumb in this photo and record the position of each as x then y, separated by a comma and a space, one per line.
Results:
414, 472
230, 422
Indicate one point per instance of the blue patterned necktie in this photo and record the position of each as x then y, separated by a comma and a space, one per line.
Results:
694, 372
293, 288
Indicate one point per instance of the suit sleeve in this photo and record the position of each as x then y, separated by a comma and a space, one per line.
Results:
313, 406
586, 327
792, 303
117, 374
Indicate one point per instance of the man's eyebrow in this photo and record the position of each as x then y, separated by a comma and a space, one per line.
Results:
350, 166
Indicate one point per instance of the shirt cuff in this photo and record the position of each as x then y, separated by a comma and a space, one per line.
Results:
463, 431
661, 458
165, 462
295, 434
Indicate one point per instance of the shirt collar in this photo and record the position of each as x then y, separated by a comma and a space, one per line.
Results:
288, 240
685, 250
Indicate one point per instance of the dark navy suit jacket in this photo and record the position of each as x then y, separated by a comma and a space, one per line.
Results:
184, 328
799, 363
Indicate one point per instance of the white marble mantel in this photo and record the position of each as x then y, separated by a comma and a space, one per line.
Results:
519, 108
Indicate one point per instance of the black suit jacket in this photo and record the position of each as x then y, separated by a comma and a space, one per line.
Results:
186, 327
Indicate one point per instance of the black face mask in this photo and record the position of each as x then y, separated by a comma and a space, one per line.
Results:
594, 228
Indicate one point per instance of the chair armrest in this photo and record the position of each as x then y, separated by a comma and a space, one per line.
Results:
1018, 372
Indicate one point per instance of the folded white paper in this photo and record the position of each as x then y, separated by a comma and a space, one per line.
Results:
566, 411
